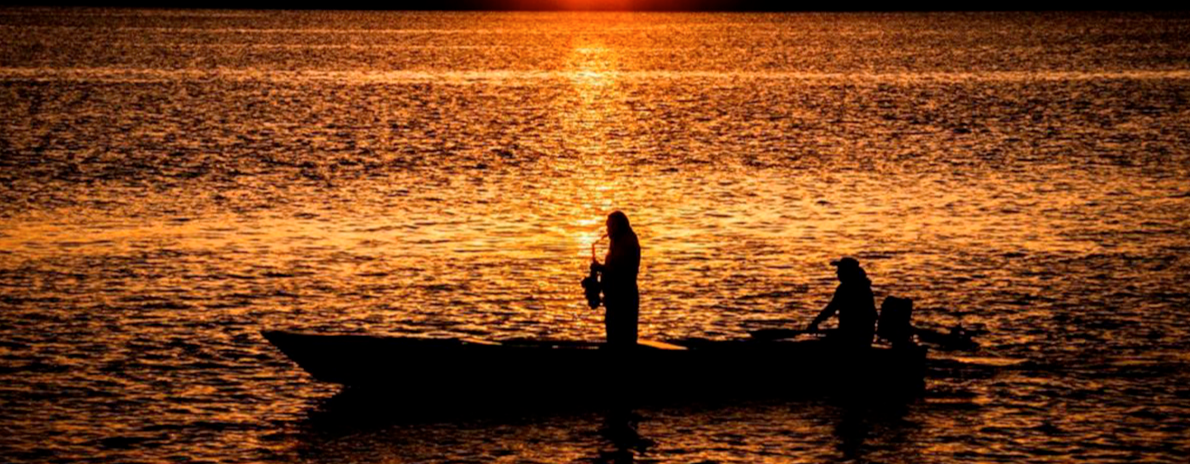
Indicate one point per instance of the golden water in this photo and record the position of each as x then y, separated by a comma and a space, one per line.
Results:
172, 182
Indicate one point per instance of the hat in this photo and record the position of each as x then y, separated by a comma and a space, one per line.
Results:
845, 262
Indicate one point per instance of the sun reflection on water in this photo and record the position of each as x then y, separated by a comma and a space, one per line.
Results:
589, 121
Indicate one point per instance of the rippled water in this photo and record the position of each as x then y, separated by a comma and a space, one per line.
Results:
172, 182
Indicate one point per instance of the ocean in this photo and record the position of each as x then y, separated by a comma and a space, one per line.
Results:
172, 182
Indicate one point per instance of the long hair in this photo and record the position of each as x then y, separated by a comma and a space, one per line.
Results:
619, 224
620, 233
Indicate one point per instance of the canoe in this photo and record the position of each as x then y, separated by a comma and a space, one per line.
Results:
549, 370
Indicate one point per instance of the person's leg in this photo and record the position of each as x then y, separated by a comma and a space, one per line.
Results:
631, 316
631, 322
614, 323
621, 319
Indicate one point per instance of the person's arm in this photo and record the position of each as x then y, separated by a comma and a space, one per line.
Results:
621, 260
611, 262
830, 309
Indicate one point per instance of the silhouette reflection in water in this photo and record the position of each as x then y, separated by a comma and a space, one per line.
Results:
372, 426
864, 429
361, 426
621, 431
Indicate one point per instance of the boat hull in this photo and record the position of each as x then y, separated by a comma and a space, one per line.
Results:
545, 371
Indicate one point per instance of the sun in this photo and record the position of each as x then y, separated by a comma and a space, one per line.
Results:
578, 5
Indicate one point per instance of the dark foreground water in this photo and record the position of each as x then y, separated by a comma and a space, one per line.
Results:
172, 182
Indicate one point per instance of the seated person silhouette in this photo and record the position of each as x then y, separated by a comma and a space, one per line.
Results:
855, 304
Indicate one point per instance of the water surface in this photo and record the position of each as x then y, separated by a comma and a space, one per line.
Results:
172, 182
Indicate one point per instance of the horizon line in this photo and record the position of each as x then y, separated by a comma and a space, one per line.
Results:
626, 6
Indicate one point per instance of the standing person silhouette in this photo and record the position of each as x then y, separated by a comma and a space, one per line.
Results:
619, 269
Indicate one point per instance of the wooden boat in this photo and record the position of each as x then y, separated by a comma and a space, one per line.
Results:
544, 371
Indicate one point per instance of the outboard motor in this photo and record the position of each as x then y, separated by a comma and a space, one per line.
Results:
895, 325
